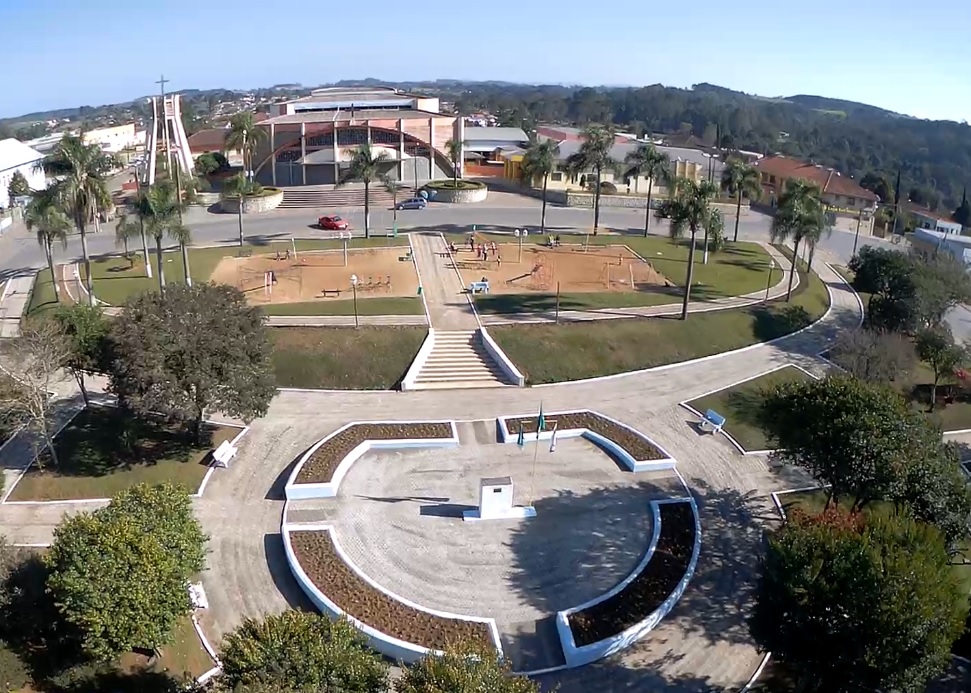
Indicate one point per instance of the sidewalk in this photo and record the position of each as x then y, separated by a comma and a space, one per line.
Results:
448, 304
342, 320
13, 302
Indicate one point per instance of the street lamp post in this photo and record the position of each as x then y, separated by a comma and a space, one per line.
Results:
521, 235
345, 236
354, 280
768, 280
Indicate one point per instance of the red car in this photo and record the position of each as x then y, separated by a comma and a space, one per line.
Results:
332, 223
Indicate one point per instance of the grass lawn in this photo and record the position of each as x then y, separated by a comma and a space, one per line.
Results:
116, 279
365, 306
42, 297
184, 655
740, 405
95, 463
554, 353
365, 358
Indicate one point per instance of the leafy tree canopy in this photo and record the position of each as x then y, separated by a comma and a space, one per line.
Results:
465, 668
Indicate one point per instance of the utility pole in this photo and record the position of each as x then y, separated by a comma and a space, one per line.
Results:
165, 126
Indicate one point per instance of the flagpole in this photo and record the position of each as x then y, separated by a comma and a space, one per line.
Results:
532, 475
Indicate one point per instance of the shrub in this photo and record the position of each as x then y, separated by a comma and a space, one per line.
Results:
608, 188
13, 673
460, 184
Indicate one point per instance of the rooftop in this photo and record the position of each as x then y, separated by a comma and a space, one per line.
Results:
213, 139
951, 239
481, 134
347, 115
14, 153
828, 179
620, 151
354, 94
911, 208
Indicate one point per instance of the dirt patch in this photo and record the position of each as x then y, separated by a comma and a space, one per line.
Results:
598, 268
320, 275
319, 559
638, 447
648, 590
319, 467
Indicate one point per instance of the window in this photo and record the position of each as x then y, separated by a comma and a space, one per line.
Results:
556, 176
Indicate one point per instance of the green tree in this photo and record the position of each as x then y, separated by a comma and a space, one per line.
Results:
887, 275
127, 230
539, 161
197, 349
239, 186
595, 153
454, 149
936, 492
800, 215
858, 607
646, 160
464, 668
740, 179
393, 187
45, 218
873, 355
211, 162
80, 171
942, 283
86, 330
159, 207
936, 348
301, 652
366, 166
246, 137
689, 211
962, 214
879, 186
18, 186
120, 575
714, 234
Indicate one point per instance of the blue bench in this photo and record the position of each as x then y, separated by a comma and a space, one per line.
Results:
714, 419
477, 287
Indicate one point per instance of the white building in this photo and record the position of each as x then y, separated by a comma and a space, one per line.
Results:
115, 138
17, 156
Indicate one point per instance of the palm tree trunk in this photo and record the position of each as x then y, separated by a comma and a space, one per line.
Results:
50, 265
704, 258
242, 199
738, 214
161, 267
185, 263
367, 210
148, 262
792, 272
87, 264
690, 277
542, 218
647, 214
596, 203
809, 262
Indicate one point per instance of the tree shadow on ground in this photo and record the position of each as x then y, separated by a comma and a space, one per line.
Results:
777, 321
276, 561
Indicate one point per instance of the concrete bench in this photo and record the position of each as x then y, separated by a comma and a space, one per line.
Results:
714, 419
224, 453
479, 287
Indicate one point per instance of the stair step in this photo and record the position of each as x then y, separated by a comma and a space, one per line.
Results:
457, 385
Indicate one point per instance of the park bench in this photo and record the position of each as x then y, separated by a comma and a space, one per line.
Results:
479, 287
224, 453
714, 419
324, 293
245, 253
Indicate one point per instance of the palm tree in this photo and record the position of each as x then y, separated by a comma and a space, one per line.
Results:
800, 215
739, 179
246, 136
393, 187
127, 230
454, 148
646, 160
539, 161
181, 234
594, 153
689, 211
81, 190
365, 167
158, 205
51, 224
238, 186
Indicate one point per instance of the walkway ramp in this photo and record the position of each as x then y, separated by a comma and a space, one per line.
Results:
458, 359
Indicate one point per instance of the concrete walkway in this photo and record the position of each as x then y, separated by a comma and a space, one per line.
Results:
448, 305
13, 302
342, 320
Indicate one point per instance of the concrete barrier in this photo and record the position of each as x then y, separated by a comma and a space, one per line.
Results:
499, 356
408, 382
253, 205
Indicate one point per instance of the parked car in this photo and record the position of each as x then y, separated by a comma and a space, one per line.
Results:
334, 223
413, 203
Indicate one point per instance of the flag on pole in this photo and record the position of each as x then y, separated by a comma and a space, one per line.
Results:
521, 439
553, 439
540, 421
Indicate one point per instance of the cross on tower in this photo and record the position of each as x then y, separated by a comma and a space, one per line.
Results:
162, 81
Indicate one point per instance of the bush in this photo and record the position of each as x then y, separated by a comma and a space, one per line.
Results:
608, 188
210, 163
459, 184
13, 673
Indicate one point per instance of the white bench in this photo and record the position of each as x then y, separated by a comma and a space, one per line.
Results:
714, 419
224, 453
479, 287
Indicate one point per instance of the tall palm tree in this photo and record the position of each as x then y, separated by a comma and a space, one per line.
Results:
238, 186
454, 148
539, 161
80, 171
689, 211
594, 153
126, 231
714, 234
739, 179
800, 215
365, 167
158, 205
51, 224
646, 160
246, 136
181, 234
393, 186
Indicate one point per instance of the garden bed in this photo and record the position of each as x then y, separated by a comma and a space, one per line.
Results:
317, 556
646, 592
320, 466
636, 445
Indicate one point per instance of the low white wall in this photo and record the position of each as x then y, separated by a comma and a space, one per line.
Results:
408, 382
665, 463
503, 361
385, 644
580, 656
328, 489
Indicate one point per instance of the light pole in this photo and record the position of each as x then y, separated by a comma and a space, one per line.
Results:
354, 280
521, 235
856, 237
768, 280
345, 236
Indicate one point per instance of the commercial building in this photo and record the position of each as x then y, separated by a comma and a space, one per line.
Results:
16, 156
111, 139
928, 243
486, 147
311, 140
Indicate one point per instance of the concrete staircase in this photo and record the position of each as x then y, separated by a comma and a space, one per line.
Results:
459, 360
325, 197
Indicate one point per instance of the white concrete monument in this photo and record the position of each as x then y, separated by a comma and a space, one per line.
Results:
495, 502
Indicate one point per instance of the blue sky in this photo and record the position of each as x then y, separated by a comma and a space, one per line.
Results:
912, 59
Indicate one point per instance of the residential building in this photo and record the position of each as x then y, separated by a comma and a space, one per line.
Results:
311, 140
16, 156
114, 139
926, 219
928, 243
485, 148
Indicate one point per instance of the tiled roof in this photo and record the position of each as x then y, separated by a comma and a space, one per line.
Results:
829, 180
208, 140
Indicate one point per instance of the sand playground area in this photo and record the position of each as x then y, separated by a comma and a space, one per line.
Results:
575, 268
320, 275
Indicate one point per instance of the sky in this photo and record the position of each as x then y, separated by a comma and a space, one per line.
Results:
893, 54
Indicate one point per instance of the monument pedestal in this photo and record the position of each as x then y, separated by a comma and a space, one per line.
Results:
495, 502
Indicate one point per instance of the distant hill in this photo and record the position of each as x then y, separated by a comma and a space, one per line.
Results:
824, 104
